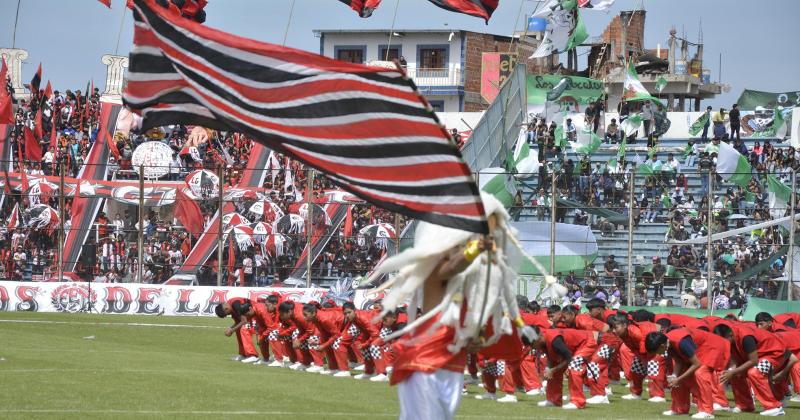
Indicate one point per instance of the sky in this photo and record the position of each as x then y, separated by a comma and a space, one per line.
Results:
755, 38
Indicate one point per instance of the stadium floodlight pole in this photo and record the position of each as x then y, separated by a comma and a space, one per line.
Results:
61, 222
790, 260
709, 249
140, 238
220, 244
397, 233
309, 223
631, 277
553, 200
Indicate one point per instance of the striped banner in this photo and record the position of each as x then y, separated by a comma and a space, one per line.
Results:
367, 128
337, 213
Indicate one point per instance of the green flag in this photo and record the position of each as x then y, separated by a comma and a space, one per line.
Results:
698, 125
687, 150
622, 146
645, 168
666, 201
588, 142
773, 129
560, 137
499, 183
631, 124
732, 166
632, 89
783, 194
661, 83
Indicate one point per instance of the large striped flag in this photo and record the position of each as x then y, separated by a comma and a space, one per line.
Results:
364, 8
367, 128
477, 8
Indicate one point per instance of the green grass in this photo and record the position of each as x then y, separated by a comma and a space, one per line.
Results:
179, 368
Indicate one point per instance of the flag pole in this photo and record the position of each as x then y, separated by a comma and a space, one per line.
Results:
391, 31
790, 259
288, 23
631, 277
220, 244
709, 250
309, 224
61, 223
121, 25
553, 210
14, 34
140, 239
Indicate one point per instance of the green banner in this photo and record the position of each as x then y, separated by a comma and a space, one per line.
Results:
756, 305
750, 99
578, 90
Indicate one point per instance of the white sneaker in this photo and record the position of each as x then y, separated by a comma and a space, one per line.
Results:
736, 410
326, 372
261, 362
359, 367
295, 366
597, 399
718, 407
702, 415
315, 369
486, 396
389, 369
609, 391
342, 374
298, 367
545, 403
669, 413
251, 359
508, 398
631, 397
276, 364
796, 398
534, 392
237, 358
570, 406
363, 376
778, 411
379, 378
657, 400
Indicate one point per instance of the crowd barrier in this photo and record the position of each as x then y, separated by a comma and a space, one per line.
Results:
142, 299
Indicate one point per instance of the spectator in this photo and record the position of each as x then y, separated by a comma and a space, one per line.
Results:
612, 132
689, 299
735, 121
704, 137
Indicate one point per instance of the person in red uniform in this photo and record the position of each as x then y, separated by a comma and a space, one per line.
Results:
755, 355
274, 342
597, 366
237, 308
791, 338
781, 322
389, 324
328, 324
302, 335
264, 316
680, 320
363, 321
696, 355
597, 309
789, 319
567, 351
632, 335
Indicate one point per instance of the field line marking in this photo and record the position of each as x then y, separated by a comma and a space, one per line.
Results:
124, 324
236, 413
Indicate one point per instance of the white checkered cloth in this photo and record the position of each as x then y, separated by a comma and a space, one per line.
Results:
637, 367
353, 331
605, 351
652, 368
371, 352
576, 363
336, 343
311, 343
496, 369
592, 370
295, 334
764, 366
384, 332
272, 336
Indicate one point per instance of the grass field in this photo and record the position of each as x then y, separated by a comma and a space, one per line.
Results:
146, 367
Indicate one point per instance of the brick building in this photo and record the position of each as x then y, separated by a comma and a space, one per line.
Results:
446, 65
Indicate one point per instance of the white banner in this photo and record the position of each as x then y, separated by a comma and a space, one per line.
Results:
141, 299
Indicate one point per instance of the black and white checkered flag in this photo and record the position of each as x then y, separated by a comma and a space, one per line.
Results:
576, 363
637, 367
764, 366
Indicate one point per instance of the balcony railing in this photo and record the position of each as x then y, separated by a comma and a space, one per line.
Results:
435, 77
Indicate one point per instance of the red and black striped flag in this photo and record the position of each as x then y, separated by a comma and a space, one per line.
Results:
364, 8
477, 8
106, 2
367, 128
37, 80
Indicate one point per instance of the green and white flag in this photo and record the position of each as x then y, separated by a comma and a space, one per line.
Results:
565, 29
612, 164
622, 147
775, 129
633, 90
525, 162
576, 246
499, 183
779, 196
698, 125
631, 124
732, 166
661, 83
587, 142
560, 138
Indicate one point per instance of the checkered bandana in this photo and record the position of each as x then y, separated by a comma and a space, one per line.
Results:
637, 367
353, 331
652, 368
311, 343
496, 369
592, 370
337, 343
371, 352
764, 366
605, 351
272, 336
576, 363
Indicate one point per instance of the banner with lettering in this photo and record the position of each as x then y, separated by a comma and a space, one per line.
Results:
554, 97
142, 299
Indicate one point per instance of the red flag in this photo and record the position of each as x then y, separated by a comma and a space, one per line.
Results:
6, 184
106, 2
13, 220
112, 146
477, 8
188, 213
25, 185
36, 81
348, 222
48, 92
6, 113
33, 150
77, 202
38, 128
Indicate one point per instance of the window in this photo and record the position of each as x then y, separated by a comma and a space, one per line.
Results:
351, 54
394, 53
432, 58
438, 106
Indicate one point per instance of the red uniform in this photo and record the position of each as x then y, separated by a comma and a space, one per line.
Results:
642, 365
328, 324
305, 332
597, 367
685, 321
368, 333
790, 318
771, 358
714, 353
244, 336
582, 345
425, 350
